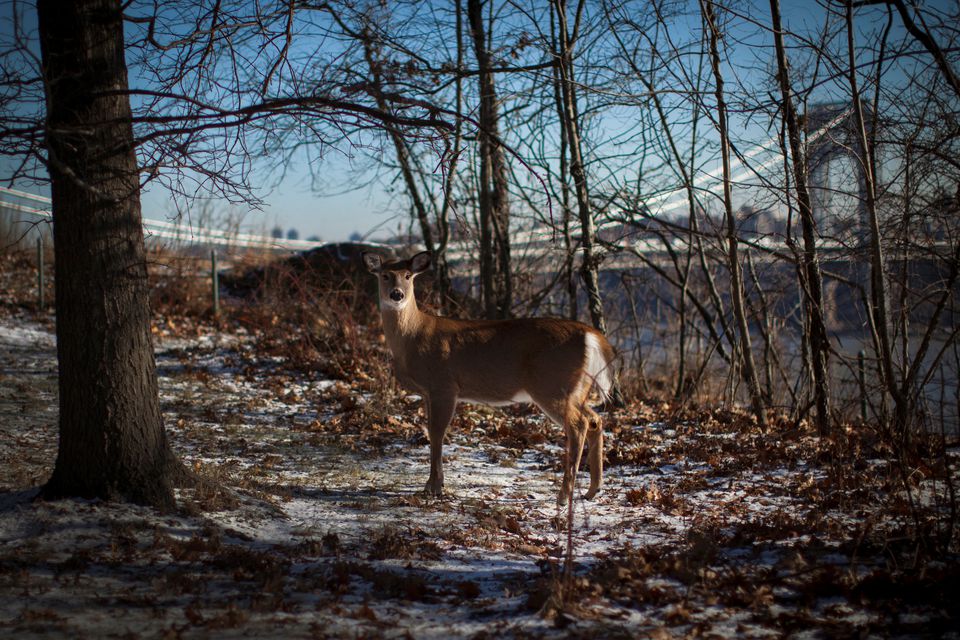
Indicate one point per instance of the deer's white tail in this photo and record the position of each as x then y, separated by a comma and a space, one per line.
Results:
598, 369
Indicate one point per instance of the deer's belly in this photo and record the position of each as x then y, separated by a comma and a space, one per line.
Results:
519, 396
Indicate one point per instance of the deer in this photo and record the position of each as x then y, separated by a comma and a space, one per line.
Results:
554, 363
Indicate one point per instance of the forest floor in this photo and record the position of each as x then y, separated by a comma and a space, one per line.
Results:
313, 523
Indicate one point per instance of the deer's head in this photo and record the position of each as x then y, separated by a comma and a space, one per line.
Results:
396, 278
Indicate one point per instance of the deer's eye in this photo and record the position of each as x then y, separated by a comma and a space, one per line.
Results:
385, 277
408, 276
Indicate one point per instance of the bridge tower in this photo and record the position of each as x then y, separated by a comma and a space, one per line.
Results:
836, 179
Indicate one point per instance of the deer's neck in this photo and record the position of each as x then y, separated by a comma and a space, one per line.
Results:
401, 327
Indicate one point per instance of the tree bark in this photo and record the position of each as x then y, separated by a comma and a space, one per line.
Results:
811, 280
494, 201
112, 442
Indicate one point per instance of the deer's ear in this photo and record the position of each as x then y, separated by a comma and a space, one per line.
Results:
373, 261
421, 262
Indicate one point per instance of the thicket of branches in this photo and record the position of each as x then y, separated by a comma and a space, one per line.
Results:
618, 143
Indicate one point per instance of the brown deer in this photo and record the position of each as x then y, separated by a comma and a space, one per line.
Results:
553, 363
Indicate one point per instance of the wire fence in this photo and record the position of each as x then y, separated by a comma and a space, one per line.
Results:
187, 262
184, 260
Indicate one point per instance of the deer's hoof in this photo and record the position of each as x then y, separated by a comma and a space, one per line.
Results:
434, 488
591, 494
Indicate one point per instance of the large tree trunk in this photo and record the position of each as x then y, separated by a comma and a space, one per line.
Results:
495, 277
811, 279
112, 442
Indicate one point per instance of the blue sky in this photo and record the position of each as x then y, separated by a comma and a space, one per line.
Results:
294, 205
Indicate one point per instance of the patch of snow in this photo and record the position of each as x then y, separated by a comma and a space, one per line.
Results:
26, 335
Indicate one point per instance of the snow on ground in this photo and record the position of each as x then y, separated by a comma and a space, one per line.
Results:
312, 523
29, 336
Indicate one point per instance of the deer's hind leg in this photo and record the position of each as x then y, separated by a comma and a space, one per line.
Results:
575, 428
572, 413
566, 413
594, 428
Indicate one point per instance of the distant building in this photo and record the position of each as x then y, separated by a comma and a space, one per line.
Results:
277, 233
404, 240
759, 222
293, 234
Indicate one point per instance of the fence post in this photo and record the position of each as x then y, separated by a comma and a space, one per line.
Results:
40, 297
862, 373
215, 282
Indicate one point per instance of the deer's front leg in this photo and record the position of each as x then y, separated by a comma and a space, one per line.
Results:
440, 408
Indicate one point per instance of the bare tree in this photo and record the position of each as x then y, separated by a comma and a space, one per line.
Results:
733, 256
570, 122
408, 170
589, 269
811, 280
682, 165
879, 305
493, 196
924, 37
569, 244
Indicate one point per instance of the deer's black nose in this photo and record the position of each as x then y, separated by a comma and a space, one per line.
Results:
396, 295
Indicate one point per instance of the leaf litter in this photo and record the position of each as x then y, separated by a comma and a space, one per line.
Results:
311, 522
